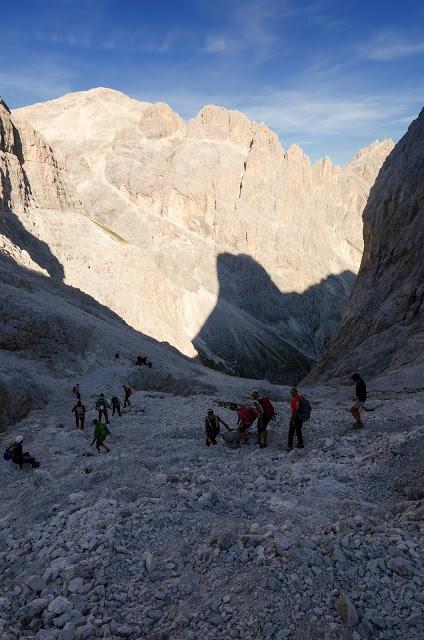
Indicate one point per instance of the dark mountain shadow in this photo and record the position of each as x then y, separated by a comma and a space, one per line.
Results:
39, 251
256, 331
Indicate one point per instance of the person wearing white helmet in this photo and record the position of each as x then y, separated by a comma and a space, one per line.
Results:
19, 457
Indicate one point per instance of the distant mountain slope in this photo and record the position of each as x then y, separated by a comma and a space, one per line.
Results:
183, 195
383, 329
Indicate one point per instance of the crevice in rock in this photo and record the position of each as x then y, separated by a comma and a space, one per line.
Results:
245, 167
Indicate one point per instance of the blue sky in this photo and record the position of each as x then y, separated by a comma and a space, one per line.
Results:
331, 76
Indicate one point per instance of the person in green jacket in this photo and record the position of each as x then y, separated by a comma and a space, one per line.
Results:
102, 405
101, 432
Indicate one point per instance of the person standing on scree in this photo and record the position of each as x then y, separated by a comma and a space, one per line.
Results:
296, 422
116, 405
359, 400
128, 391
102, 406
265, 412
212, 427
101, 432
79, 411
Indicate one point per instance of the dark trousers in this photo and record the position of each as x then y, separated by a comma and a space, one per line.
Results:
27, 459
263, 422
296, 424
127, 401
80, 421
104, 412
117, 408
211, 435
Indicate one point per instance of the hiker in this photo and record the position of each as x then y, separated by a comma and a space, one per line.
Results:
79, 411
19, 457
76, 391
265, 412
143, 360
101, 432
128, 391
212, 429
296, 422
102, 406
359, 400
116, 405
246, 416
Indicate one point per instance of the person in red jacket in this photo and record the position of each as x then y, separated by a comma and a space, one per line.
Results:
296, 423
265, 412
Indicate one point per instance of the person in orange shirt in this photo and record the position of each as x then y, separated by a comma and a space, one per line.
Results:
296, 423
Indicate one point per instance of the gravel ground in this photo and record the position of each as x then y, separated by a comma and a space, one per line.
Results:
163, 538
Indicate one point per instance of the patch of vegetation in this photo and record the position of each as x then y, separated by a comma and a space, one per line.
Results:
110, 232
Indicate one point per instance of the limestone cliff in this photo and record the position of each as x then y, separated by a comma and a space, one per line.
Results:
171, 200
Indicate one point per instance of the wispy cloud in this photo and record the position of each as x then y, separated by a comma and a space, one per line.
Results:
307, 113
390, 46
35, 80
217, 44
251, 27
138, 40
69, 38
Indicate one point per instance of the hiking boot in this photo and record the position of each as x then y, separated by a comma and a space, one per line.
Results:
300, 446
289, 448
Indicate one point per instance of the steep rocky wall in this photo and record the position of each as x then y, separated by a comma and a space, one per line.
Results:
179, 197
383, 328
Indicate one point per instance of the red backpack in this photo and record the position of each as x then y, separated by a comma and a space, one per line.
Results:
267, 407
246, 414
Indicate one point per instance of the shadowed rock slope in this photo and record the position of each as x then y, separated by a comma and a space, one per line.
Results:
383, 328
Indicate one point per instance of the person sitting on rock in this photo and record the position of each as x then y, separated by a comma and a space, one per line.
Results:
212, 428
101, 432
79, 411
359, 400
102, 406
19, 457
116, 405
265, 412
143, 360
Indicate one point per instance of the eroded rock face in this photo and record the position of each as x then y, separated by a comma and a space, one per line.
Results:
29, 173
383, 327
180, 200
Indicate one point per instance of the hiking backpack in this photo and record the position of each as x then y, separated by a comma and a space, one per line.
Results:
246, 414
267, 407
304, 410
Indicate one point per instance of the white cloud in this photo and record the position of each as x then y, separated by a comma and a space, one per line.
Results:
251, 28
311, 113
216, 44
389, 46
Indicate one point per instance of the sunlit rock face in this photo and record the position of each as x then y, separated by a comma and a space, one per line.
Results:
207, 234
383, 329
